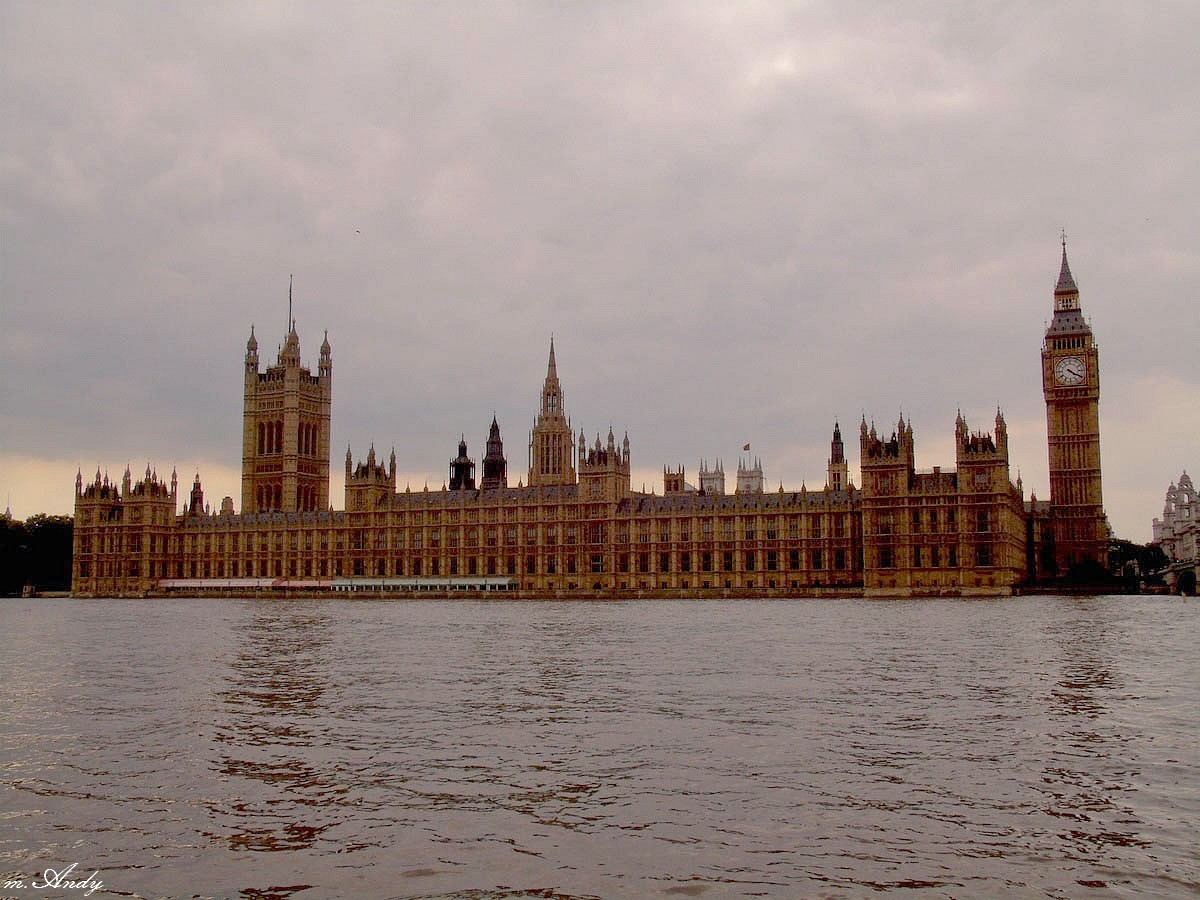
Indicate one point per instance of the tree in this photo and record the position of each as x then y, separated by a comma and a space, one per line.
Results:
36, 551
14, 556
1140, 561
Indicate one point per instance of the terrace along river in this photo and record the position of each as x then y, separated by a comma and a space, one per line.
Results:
1030, 746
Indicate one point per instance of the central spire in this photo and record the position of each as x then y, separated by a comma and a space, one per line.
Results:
552, 397
550, 440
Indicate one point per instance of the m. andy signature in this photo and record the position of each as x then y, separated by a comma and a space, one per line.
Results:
60, 880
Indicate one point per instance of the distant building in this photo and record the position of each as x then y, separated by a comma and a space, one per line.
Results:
1175, 532
576, 526
712, 481
750, 477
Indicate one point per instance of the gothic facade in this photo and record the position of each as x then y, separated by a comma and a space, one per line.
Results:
1071, 385
575, 527
1178, 531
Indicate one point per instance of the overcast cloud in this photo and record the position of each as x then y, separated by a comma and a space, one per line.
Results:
740, 222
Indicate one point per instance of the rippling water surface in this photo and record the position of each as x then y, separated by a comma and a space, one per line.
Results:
1036, 746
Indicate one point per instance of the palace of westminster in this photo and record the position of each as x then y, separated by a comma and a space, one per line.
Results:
573, 526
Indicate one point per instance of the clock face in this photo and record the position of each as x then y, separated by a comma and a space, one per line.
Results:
1070, 370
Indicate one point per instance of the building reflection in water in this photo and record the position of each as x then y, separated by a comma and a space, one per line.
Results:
532, 739
271, 734
1088, 778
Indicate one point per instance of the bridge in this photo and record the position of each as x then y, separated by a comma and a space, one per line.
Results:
1180, 577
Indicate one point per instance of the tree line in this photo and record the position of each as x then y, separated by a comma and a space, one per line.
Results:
35, 552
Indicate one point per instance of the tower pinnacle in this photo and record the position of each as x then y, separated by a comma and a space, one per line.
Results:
551, 437
1066, 283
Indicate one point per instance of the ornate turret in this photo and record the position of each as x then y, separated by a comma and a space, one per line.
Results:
749, 476
196, 499
252, 355
325, 362
603, 470
495, 466
899, 446
981, 444
289, 353
837, 449
712, 481
462, 469
673, 481
838, 474
370, 483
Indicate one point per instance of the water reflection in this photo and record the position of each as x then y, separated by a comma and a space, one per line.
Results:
273, 717
1087, 782
1022, 747
1083, 642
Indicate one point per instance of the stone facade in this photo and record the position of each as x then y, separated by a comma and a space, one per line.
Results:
1176, 531
285, 430
126, 538
575, 527
959, 532
1071, 385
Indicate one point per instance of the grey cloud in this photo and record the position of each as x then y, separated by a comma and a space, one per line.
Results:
740, 221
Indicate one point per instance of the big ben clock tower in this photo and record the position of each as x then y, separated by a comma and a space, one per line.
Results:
1071, 384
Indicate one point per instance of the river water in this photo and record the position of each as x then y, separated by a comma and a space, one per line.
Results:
1034, 746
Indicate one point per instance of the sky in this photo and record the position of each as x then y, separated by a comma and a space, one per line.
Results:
740, 222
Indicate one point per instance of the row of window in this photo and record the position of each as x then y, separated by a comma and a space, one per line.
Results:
270, 438
552, 535
934, 558
929, 520
644, 562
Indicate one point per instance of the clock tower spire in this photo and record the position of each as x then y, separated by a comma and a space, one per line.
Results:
1071, 385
